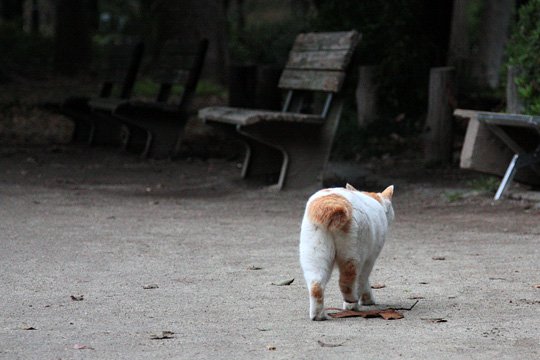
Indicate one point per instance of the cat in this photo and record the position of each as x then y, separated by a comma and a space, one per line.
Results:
346, 228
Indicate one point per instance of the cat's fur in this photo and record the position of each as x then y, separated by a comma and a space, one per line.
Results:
345, 228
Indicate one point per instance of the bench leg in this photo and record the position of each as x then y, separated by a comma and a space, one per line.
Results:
304, 148
518, 161
303, 155
261, 160
508, 176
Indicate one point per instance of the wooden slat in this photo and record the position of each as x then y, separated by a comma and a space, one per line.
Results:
170, 76
326, 41
320, 59
315, 80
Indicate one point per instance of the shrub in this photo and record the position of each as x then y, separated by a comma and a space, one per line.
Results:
523, 51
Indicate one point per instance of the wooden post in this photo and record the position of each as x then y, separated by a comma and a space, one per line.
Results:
366, 96
513, 101
438, 135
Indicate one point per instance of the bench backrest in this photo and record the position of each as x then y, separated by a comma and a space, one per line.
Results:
179, 65
121, 68
318, 61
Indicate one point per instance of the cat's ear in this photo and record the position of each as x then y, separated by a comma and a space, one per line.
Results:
388, 192
350, 187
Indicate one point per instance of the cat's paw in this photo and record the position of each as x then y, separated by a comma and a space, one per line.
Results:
367, 299
321, 316
350, 306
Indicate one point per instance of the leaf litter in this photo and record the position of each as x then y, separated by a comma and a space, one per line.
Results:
163, 335
283, 282
323, 344
386, 314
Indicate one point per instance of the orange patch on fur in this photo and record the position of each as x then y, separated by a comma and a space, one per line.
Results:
373, 195
347, 271
365, 298
331, 211
317, 292
347, 276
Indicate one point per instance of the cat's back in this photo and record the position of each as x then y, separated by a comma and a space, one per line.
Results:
368, 208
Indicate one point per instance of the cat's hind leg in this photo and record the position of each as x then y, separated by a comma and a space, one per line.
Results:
317, 254
348, 283
364, 287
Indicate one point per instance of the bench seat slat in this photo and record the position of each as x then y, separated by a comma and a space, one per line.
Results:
319, 60
344, 40
315, 80
243, 117
503, 119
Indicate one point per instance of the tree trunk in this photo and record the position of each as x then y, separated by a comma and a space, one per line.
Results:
196, 19
459, 48
494, 31
366, 96
438, 132
11, 10
73, 36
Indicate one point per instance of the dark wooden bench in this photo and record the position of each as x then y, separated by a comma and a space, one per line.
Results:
155, 128
294, 144
119, 74
518, 134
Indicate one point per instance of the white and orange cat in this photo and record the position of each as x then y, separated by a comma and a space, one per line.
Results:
343, 228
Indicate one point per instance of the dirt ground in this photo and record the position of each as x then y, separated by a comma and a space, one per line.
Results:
99, 251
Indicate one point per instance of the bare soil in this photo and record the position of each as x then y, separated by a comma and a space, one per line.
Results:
155, 246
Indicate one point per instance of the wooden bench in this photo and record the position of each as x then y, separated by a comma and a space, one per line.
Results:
294, 144
119, 74
502, 144
155, 128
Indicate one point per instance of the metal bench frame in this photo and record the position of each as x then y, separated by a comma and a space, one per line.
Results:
497, 122
294, 145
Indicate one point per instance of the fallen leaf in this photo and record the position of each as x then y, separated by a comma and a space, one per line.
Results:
391, 315
323, 344
82, 347
77, 297
271, 347
438, 258
150, 286
29, 328
284, 282
164, 335
387, 314
435, 320
378, 286
253, 267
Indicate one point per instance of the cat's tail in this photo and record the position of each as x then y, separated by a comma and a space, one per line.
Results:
332, 212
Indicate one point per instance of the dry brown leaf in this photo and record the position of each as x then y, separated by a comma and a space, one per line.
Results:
387, 314
82, 347
284, 282
435, 320
163, 335
391, 314
77, 297
323, 344
378, 286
